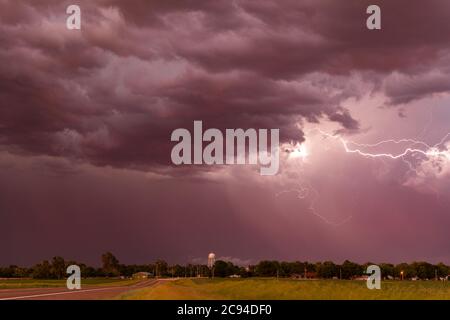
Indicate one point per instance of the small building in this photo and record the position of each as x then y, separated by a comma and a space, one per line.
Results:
142, 275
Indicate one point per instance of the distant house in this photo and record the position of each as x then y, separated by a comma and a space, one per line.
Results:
142, 275
361, 278
234, 276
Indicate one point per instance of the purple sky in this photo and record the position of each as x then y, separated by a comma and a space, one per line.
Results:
86, 118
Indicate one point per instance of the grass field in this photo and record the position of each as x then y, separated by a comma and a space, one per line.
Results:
235, 289
34, 283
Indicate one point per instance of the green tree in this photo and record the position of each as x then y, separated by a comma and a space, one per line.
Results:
110, 264
42, 270
178, 271
387, 270
327, 269
351, 269
442, 270
267, 268
220, 268
161, 268
424, 270
225, 269
8, 272
408, 271
297, 267
58, 268
286, 269
88, 272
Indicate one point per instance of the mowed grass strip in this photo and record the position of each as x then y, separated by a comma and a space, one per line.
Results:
287, 289
35, 283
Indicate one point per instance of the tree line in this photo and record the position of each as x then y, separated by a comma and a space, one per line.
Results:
110, 267
56, 269
348, 270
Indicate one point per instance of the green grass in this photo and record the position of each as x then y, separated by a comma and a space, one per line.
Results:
260, 289
37, 283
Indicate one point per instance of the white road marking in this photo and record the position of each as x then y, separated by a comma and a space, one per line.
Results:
138, 285
57, 293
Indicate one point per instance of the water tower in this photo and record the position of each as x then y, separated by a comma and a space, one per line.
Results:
211, 260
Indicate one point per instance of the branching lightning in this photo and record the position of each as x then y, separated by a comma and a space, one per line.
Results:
304, 192
410, 148
304, 189
430, 151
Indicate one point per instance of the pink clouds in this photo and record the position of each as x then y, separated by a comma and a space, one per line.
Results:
212, 61
142, 68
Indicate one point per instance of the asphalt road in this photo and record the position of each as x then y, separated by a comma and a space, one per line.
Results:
88, 293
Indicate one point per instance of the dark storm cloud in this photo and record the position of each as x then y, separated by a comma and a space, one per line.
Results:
402, 89
113, 93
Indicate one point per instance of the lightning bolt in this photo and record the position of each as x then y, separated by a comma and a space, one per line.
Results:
304, 189
430, 151
415, 148
305, 192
